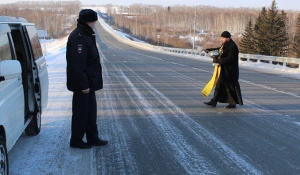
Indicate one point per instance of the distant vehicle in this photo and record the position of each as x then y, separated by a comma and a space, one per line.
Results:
23, 83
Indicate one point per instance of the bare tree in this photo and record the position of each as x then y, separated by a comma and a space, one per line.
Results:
55, 16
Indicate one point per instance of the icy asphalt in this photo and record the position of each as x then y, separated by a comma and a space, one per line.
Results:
152, 113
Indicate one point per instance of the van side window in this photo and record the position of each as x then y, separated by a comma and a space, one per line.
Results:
5, 52
35, 42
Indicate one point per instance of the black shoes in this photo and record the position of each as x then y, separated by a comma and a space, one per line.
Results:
81, 145
214, 104
211, 103
230, 106
99, 142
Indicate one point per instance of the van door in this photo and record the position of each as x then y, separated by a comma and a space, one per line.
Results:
11, 90
39, 66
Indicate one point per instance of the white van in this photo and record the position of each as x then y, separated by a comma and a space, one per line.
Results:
23, 83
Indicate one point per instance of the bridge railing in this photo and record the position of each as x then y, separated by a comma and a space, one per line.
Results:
284, 61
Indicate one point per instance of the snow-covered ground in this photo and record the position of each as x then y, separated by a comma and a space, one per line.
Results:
270, 68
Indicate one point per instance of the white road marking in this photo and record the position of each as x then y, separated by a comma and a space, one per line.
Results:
270, 88
197, 129
150, 74
297, 123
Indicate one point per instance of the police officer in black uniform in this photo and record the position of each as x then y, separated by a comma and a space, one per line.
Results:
84, 77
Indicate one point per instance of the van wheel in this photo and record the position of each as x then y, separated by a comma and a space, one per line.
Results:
3, 157
34, 127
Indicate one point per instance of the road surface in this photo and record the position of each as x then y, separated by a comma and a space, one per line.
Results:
152, 113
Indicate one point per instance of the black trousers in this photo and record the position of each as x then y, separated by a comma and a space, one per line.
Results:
84, 117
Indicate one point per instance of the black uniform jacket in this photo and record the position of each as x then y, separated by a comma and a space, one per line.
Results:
230, 91
83, 61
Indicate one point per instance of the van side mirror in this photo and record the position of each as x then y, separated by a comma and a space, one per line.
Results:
10, 69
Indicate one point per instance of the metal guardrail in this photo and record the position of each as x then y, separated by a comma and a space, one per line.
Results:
284, 61
180, 51
271, 59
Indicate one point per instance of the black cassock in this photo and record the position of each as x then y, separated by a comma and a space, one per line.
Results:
228, 89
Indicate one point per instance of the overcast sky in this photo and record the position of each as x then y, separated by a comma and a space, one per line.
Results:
281, 4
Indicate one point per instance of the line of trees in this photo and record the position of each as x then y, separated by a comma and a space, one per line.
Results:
57, 17
269, 31
146, 22
296, 39
254, 30
269, 34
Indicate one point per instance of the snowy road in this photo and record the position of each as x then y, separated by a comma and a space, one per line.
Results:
152, 113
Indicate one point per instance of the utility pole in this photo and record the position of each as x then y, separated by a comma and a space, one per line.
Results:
136, 25
194, 29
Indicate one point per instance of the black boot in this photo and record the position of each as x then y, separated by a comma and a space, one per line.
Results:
211, 103
81, 145
230, 106
98, 142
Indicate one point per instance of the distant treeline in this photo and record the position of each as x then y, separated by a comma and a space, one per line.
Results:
57, 17
167, 26
147, 22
